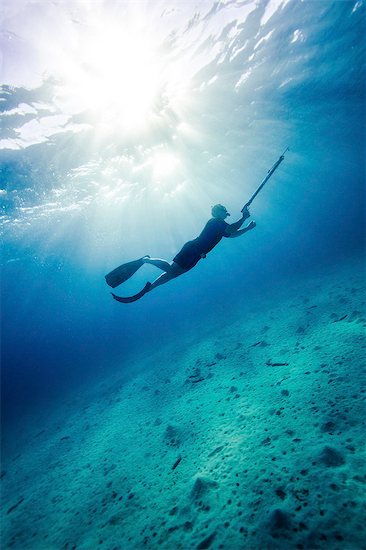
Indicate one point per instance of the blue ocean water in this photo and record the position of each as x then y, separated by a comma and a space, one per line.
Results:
122, 124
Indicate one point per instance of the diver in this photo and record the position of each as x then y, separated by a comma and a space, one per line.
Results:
192, 252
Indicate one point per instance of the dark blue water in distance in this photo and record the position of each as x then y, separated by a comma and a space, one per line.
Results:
82, 193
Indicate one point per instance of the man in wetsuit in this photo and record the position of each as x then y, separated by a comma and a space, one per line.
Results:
193, 251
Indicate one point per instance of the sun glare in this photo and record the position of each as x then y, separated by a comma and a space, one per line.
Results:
164, 164
115, 74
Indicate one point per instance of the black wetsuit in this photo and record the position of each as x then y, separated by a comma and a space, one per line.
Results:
194, 250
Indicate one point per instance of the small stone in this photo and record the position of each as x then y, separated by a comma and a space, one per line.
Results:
206, 543
172, 436
201, 487
280, 520
331, 458
328, 426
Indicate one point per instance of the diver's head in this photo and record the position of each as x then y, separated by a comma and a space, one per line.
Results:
219, 211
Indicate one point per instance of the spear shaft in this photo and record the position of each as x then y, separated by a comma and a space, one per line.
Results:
269, 174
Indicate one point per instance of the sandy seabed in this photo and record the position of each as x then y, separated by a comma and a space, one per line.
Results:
250, 437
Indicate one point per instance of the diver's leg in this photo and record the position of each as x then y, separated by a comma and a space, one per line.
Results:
175, 271
158, 262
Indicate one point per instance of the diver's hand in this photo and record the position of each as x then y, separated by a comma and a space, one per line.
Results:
246, 213
251, 225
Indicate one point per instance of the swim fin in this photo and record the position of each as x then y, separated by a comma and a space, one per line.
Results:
123, 272
137, 296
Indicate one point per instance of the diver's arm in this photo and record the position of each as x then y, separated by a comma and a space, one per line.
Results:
233, 227
250, 226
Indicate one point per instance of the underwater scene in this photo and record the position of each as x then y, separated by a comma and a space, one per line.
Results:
164, 384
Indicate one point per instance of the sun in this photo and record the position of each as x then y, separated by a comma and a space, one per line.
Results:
115, 74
